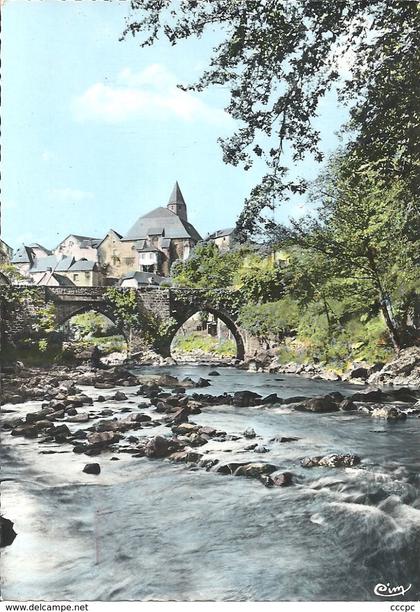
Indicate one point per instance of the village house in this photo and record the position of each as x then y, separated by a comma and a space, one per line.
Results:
223, 239
84, 273
79, 247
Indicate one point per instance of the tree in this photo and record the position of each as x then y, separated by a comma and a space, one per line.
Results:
207, 268
362, 240
125, 310
280, 58
259, 280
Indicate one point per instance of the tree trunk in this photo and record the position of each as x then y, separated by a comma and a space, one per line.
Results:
392, 328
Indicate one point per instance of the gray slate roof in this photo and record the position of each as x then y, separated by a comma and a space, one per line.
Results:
85, 241
22, 255
63, 280
220, 233
161, 217
36, 245
145, 278
42, 264
83, 265
64, 264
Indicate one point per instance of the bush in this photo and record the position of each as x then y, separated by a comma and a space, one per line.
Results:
207, 344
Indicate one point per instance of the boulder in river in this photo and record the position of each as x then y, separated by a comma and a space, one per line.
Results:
249, 433
278, 479
243, 399
273, 398
255, 470
103, 438
390, 413
119, 396
260, 448
7, 533
157, 447
318, 404
346, 405
214, 373
332, 460
92, 468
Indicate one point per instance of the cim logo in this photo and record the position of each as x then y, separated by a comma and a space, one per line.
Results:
386, 590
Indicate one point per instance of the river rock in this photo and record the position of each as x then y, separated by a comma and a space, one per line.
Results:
273, 398
360, 372
157, 447
403, 370
261, 449
139, 417
7, 533
296, 399
244, 399
202, 382
278, 479
390, 413
249, 433
92, 468
214, 373
255, 470
318, 404
119, 396
333, 460
185, 429
103, 438
347, 405
32, 417
283, 439
208, 431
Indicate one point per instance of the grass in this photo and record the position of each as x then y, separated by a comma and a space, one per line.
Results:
197, 341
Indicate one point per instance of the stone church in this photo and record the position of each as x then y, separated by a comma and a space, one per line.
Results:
152, 244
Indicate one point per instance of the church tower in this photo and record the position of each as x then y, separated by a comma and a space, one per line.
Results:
177, 203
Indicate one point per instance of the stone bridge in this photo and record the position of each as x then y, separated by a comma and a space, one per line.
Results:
168, 308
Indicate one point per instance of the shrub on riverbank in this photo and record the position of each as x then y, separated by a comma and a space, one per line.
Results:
205, 343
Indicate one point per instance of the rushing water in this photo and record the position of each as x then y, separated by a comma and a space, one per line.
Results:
153, 530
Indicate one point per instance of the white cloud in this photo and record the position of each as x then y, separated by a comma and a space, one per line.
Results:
149, 94
68, 195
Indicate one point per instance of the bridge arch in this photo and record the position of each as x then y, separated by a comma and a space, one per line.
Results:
67, 312
165, 346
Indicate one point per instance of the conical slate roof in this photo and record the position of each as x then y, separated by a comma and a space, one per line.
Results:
176, 196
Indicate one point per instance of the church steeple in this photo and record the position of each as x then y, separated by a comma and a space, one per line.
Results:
177, 203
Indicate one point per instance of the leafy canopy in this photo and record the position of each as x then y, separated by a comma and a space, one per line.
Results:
280, 58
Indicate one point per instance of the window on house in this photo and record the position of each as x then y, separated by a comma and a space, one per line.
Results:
86, 275
129, 261
75, 276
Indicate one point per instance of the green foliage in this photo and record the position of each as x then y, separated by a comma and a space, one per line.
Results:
272, 319
280, 58
125, 307
362, 242
11, 273
259, 280
91, 323
208, 268
203, 342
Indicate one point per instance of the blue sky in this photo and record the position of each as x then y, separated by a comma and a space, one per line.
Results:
95, 132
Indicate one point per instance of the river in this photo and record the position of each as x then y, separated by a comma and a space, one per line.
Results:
154, 530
